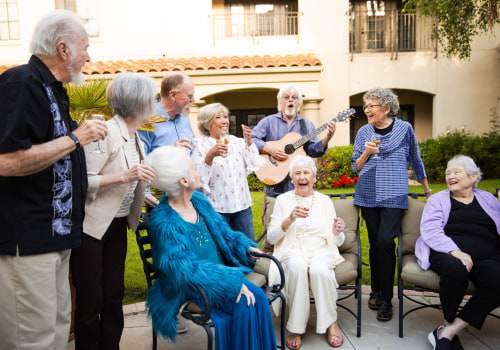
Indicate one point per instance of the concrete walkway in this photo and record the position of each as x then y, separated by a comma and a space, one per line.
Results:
375, 335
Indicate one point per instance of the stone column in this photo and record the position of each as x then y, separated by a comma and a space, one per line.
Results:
311, 110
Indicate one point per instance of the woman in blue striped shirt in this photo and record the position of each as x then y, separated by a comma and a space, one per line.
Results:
382, 188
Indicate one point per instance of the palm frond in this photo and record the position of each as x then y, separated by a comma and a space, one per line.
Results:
90, 97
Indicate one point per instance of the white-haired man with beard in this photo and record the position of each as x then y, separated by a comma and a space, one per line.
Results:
43, 183
274, 127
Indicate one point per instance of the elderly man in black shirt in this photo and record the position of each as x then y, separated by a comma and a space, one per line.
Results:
43, 183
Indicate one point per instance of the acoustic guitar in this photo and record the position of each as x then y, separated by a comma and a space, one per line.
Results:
274, 171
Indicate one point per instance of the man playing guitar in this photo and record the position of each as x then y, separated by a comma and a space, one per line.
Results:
274, 127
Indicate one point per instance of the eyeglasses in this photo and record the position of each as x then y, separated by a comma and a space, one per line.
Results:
190, 97
370, 107
287, 97
454, 173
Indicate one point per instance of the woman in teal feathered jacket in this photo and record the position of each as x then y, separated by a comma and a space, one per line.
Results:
193, 246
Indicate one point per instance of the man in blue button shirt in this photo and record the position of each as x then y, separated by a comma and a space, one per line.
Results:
177, 96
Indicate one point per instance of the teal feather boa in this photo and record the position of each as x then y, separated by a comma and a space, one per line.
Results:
181, 271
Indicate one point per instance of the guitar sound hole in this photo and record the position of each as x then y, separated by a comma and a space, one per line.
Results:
289, 149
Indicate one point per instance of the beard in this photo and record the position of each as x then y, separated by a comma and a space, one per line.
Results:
185, 110
78, 78
291, 112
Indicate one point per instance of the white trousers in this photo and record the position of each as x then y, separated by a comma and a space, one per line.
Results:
319, 277
35, 301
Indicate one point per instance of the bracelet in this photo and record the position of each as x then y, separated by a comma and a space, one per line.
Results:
428, 192
74, 138
283, 228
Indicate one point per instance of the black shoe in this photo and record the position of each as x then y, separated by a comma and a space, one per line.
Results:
455, 344
440, 344
374, 301
385, 311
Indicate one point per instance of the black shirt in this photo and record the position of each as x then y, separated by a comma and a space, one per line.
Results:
472, 230
26, 210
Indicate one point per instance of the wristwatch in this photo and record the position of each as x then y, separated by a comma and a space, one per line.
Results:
74, 138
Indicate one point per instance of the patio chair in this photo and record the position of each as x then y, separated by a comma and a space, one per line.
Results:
348, 273
191, 311
411, 277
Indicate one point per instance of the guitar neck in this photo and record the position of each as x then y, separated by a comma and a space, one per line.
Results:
311, 135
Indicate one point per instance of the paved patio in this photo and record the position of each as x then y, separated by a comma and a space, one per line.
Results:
374, 334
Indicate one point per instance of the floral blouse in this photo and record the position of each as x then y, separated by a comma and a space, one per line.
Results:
225, 182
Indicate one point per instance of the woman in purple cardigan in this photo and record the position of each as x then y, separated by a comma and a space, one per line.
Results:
460, 240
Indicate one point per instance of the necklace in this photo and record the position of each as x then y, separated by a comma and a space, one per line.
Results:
304, 201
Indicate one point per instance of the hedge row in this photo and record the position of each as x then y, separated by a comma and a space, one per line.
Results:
484, 149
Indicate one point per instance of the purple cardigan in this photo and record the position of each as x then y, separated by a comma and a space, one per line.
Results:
434, 218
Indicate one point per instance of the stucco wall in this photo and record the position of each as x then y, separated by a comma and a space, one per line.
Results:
454, 93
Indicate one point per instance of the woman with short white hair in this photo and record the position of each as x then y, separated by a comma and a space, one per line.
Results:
460, 241
114, 202
306, 234
194, 247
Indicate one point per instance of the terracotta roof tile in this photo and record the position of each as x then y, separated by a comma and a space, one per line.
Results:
196, 63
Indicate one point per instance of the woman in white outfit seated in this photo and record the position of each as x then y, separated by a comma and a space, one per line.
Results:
306, 235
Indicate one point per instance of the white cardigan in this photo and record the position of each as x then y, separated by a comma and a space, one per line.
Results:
283, 241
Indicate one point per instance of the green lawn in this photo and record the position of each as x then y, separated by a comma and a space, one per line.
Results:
135, 281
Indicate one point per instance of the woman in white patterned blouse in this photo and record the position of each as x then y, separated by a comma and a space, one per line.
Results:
224, 167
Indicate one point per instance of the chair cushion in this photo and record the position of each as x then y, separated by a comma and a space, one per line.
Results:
266, 246
347, 271
262, 266
346, 210
410, 225
256, 278
412, 273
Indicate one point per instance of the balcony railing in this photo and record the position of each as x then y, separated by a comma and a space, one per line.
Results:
389, 31
255, 25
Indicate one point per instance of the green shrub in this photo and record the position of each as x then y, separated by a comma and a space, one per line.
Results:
335, 163
483, 149
435, 154
254, 184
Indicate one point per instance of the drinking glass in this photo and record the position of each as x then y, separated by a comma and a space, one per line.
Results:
224, 139
306, 219
102, 118
148, 185
376, 140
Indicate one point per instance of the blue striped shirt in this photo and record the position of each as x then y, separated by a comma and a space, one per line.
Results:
384, 182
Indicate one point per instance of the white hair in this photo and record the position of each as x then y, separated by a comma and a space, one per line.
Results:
286, 89
57, 26
170, 165
132, 95
207, 114
303, 161
470, 167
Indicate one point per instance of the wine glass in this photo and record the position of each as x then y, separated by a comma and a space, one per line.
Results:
306, 221
224, 139
101, 117
148, 184
376, 140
